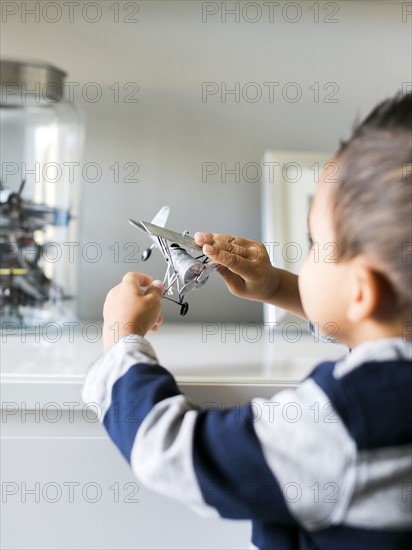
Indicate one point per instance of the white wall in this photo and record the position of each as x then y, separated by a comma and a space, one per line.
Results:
170, 132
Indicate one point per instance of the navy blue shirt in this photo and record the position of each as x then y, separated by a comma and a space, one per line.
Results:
326, 465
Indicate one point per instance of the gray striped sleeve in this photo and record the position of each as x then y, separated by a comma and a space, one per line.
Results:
112, 365
383, 493
310, 453
162, 453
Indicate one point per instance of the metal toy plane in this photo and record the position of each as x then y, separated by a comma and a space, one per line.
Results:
23, 282
184, 271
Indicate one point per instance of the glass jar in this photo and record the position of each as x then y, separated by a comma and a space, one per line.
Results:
41, 145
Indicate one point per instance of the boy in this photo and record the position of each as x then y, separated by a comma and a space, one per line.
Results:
357, 453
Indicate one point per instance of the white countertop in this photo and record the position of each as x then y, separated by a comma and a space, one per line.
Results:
51, 366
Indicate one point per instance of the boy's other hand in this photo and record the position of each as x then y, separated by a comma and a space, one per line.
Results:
131, 309
244, 265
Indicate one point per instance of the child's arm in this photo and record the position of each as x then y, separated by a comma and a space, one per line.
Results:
248, 273
257, 461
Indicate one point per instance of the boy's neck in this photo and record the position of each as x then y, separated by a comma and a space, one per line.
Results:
372, 330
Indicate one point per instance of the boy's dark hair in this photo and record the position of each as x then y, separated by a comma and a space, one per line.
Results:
372, 201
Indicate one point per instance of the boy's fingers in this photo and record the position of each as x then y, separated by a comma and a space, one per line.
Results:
234, 262
201, 238
233, 281
139, 279
223, 239
251, 252
156, 287
209, 238
159, 321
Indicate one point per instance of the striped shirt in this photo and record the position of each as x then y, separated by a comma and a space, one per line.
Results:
326, 465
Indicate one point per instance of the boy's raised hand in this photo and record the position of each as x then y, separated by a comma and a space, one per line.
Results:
130, 309
244, 265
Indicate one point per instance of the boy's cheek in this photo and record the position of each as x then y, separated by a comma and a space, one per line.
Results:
312, 289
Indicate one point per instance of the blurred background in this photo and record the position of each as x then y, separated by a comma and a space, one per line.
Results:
175, 90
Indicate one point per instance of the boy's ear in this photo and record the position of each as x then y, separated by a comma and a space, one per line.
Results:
369, 292
363, 291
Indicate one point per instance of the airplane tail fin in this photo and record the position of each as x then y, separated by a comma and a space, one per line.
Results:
161, 217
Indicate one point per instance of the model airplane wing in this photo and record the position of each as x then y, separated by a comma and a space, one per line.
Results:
161, 217
173, 236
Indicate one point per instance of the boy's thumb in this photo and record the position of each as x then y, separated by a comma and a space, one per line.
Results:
156, 287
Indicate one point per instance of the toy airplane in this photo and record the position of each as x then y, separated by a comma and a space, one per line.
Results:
183, 270
23, 282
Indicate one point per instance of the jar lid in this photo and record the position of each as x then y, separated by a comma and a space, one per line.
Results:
30, 81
